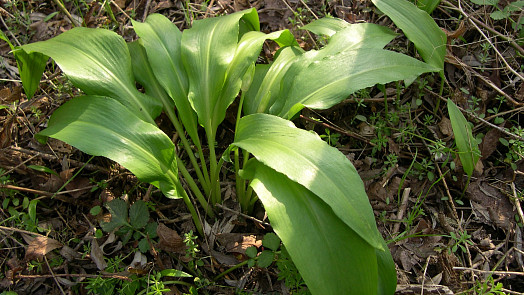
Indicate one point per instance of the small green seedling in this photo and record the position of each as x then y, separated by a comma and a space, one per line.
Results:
267, 256
131, 222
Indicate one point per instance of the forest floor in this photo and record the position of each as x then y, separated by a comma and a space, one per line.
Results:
448, 234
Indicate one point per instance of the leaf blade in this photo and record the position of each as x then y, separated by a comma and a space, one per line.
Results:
98, 62
308, 160
419, 27
469, 152
102, 126
317, 241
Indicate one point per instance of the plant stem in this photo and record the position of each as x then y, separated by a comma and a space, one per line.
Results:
240, 186
180, 130
194, 188
214, 176
187, 201
231, 269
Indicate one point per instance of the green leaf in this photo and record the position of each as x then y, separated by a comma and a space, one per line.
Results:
31, 210
468, 148
101, 126
95, 210
118, 209
151, 229
327, 82
251, 252
331, 257
485, 2
207, 50
327, 26
265, 87
98, 62
162, 42
419, 27
265, 258
143, 245
174, 273
42, 169
498, 15
31, 66
145, 76
138, 214
306, 159
428, 5
271, 241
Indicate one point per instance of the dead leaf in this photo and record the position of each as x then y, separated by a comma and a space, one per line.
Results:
169, 240
77, 187
489, 143
97, 255
445, 126
40, 246
238, 243
7, 131
499, 208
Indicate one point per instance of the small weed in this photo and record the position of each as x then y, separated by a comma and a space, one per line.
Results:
515, 146
460, 241
331, 138
506, 13
131, 222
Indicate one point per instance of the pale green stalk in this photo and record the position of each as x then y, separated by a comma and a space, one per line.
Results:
194, 188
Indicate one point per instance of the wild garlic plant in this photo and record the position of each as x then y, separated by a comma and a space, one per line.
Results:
313, 196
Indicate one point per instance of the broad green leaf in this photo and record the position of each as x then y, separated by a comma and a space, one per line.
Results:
266, 84
306, 159
327, 26
468, 149
208, 48
419, 27
352, 37
98, 62
145, 76
162, 42
31, 66
327, 82
330, 256
119, 212
360, 39
247, 51
387, 274
138, 214
101, 126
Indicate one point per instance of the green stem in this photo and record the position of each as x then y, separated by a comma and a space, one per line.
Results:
194, 188
178, 127
441, 90
187, 201
214, 191
240, 185
230, 270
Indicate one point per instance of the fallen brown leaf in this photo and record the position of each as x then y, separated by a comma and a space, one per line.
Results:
169, 240
40, 246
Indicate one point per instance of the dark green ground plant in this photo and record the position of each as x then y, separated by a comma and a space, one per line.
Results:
314, 198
